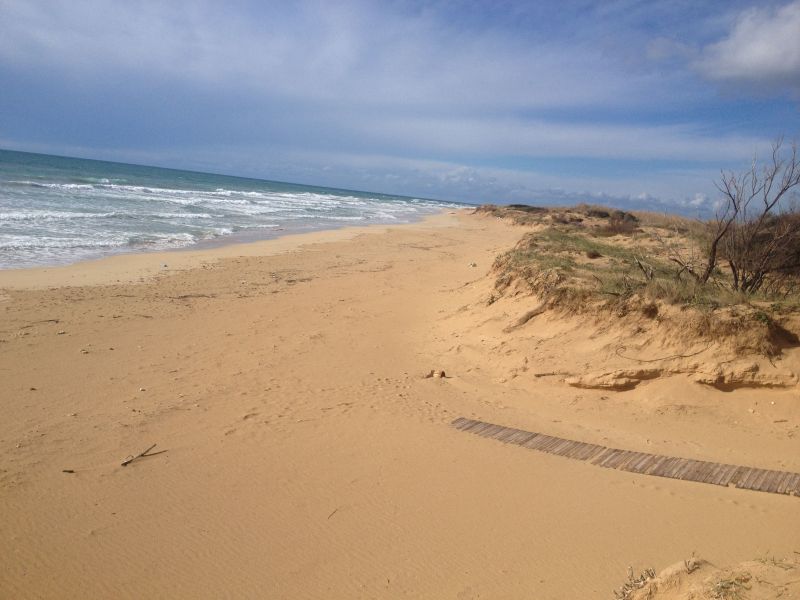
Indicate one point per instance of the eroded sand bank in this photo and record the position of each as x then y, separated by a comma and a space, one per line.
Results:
306, 455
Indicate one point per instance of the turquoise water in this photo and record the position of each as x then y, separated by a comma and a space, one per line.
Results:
58, 210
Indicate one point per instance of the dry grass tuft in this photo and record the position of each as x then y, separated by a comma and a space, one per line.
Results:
733, 588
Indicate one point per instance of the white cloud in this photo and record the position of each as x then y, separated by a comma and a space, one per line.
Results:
348, 53
763, 47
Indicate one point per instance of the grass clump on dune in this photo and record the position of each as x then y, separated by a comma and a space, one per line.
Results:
571, 261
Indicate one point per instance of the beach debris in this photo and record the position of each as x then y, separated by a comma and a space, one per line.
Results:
634, 583
435, 375
141, 389
62, 332
144, 454
67, 470
692, 564
84, 351
733, 587
473, 264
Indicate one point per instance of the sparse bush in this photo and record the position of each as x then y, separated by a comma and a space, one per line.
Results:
650, 310
620, 223
757, 231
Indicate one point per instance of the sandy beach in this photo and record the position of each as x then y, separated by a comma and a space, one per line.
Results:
305, 453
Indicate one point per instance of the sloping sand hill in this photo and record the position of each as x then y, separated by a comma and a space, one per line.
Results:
308, 456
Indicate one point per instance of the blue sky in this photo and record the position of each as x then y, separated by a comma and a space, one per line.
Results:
632, 103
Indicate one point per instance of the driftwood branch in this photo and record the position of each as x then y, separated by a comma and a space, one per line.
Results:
144, 454
648, 271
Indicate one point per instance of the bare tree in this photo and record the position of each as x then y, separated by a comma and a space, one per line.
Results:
757, 228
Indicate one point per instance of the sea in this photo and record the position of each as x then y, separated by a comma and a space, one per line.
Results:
56, 210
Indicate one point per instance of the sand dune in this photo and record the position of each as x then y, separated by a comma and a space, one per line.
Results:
307, 456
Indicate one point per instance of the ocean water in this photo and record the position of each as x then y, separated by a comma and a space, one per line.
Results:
58, 210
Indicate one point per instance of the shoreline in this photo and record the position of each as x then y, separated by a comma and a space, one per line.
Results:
137, 266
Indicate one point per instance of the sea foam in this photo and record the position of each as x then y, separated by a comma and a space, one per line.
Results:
56, 210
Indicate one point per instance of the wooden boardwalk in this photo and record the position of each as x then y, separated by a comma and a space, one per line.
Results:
746, 478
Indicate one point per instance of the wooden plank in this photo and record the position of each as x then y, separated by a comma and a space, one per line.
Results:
478, 427
613, 459
734, 474
686, 465
747, 477
698, 472
778, 482
690, 472
641, 465
624, 459
759, 481
551, 444
656, 464
765, 480
762, 482
603, 457
592, 450
786, 478
791, 486
636, 465
664, 466
506, 435
711, 471
784, 483
770, 484
572, 448
503, 435
563, 447
628, 460
675, 468
577, 449
714, 473
520, 438
531, 443
548, 444
559, 448
460, 423
492, 430
597, 460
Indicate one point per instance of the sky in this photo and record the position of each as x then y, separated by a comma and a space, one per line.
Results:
630, 103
